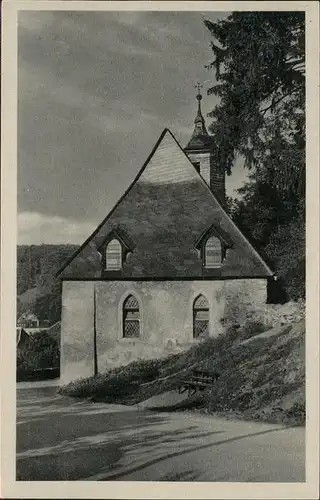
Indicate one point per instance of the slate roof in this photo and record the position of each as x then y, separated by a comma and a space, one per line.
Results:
54, 330
163, 214
21, 335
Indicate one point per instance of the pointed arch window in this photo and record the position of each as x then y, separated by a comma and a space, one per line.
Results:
131, 317
113, 255
200, 317
212, 253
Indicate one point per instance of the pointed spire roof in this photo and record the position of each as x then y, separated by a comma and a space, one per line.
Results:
200, 138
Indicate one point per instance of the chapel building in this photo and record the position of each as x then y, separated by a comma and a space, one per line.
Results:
166, 268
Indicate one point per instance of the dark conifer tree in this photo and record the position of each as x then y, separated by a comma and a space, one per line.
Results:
259, 64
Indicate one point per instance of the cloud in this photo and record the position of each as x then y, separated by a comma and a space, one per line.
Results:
95, 91
35, 228
34, 22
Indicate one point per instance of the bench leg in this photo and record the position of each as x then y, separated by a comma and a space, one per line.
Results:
192, 391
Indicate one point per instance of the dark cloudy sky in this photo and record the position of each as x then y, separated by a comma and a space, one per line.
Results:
95, 91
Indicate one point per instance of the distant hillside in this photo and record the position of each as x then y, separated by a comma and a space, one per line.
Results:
37, 289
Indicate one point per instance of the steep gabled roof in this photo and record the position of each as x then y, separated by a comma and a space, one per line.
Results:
21, 335
165, 211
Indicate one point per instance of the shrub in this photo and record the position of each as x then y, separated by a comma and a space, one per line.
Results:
42, 351
297, 413
252, 328
111, 388
116, 384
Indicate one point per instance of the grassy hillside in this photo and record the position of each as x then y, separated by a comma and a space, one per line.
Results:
262, 376
37, 289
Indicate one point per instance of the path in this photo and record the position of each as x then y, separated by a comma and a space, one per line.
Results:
65, 439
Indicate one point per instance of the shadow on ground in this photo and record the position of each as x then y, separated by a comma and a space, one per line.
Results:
60, 438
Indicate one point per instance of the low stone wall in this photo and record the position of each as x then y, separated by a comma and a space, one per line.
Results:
283, 314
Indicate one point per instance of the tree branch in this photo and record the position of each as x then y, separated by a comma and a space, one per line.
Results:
274, 103
295, 60
298, 67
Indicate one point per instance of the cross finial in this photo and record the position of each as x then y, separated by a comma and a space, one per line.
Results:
198, 86
200, 138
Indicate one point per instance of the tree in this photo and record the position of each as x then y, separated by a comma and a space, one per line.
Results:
259, 66
42, 351
47, 307
259, 63
36, 269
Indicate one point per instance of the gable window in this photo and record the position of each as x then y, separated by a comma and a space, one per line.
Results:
212, 253
200, 317
212, 246
113, 255
131, 317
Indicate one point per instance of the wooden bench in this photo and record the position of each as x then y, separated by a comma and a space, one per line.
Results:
200, 380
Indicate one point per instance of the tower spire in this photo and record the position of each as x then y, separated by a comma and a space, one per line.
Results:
198, 86
200, 151
200, 138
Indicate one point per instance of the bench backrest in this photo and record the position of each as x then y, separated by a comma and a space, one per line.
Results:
204, 375
201, 373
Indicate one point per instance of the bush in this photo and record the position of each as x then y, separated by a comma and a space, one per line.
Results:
252, 328
42, 351
112, 388
296, 414
116, 384
289, 259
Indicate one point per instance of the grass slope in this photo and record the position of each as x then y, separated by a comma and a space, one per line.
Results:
262, 376
263, 379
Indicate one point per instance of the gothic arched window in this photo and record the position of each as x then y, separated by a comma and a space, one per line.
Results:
200, 317
113, 255
131, 317
212, 252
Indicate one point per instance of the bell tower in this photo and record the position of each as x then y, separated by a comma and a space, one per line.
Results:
200, 152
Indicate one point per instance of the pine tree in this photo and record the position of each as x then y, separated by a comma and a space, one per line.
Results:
259, 64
